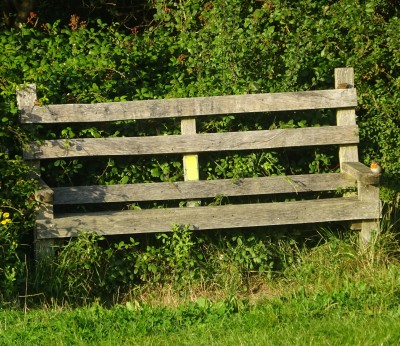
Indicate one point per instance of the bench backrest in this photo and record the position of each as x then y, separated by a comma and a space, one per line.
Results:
189, 143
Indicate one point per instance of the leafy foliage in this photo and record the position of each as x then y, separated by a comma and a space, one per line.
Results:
89, 268
16, 219
191, 48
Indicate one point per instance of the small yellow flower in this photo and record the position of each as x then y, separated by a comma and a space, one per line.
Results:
6, 215
5, 221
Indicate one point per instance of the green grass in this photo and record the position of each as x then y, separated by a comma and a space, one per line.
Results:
332, 295
299, 321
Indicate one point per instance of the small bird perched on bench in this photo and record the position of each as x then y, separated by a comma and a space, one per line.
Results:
375, 167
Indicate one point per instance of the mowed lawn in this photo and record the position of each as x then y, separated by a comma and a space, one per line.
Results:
321, 319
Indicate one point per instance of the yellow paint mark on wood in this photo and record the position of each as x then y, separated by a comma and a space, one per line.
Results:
191, 167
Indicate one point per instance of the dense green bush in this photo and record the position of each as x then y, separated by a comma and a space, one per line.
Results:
196, 48
89, 267
16, 222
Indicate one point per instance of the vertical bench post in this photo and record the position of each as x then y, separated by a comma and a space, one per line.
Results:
344, 79
190, 161
26, 98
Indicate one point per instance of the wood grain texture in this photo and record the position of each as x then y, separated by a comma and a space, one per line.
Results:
26, 97
202, 189
189, 107
365, 207
344, 117
368, 191
205, 218
44, 198
361, 172
196, 143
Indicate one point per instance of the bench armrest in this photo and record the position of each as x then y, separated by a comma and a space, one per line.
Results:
44, 196
361, 173
45, 193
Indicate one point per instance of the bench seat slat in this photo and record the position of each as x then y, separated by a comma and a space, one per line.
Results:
196, 143
189, 107
202, 189
210, 217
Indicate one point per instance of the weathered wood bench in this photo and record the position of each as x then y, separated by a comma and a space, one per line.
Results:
361, 208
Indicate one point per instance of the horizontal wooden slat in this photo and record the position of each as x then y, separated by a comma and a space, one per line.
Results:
197, 143
202, 189
189, 107
212, 217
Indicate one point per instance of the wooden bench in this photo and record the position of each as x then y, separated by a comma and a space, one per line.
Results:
362, 208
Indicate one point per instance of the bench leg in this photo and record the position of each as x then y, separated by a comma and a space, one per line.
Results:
44, 249
370, 228
369, 232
